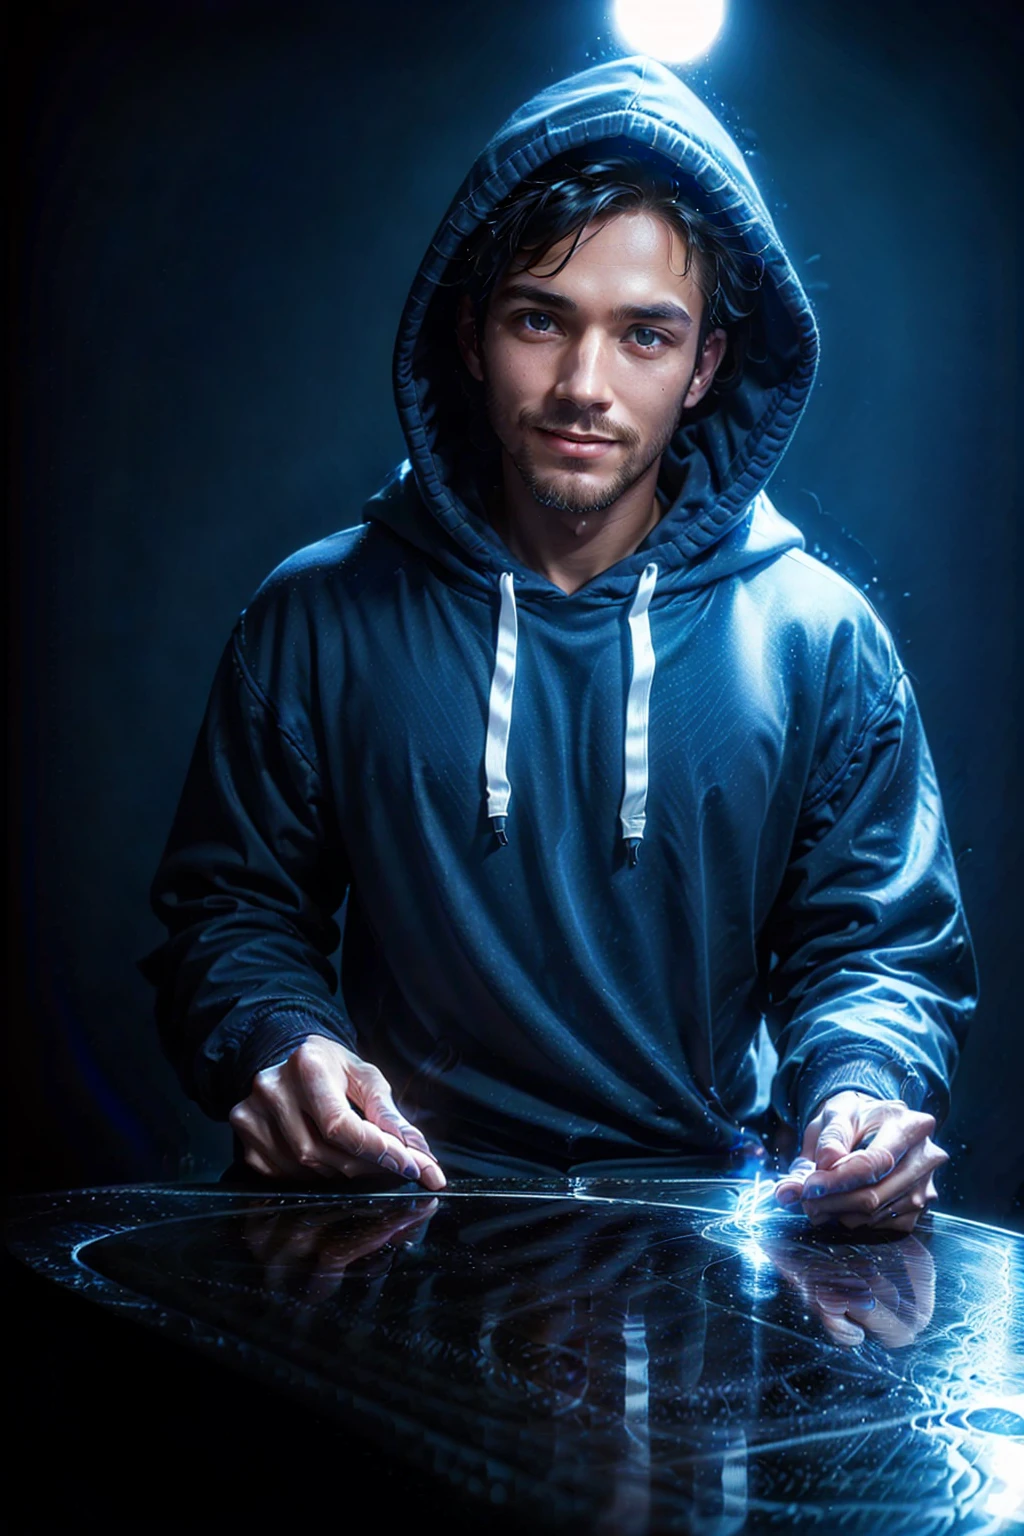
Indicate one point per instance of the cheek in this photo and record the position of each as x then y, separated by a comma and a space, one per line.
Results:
515, 380
655, 404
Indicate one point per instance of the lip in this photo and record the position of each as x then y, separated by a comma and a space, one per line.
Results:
578, 447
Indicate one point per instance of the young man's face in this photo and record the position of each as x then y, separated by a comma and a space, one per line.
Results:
586, 370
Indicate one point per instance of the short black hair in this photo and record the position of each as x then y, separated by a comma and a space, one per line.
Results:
566, 194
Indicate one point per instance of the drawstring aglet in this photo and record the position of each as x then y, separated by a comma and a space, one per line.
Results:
498, 823
633, 850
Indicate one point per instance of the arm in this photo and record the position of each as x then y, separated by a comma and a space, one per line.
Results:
873, 981
246, 1005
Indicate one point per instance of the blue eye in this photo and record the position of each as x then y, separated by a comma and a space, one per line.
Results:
645, 337
535, 315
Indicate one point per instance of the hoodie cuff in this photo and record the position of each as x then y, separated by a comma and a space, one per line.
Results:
879, 1076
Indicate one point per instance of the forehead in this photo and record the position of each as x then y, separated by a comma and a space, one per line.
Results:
634, 252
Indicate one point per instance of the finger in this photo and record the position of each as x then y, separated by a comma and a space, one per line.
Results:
907, 1205
414, 1138
812, 1131
788, 1188
390, 1118
851, 1170
320, 1084
892, 1137
409, 1147
345, 1134
837, 1136
257, 1161
913, 1202
432, 1176
402, 1161
352, 1135
900, 1217
331, 1160
370, 1089
915, 1168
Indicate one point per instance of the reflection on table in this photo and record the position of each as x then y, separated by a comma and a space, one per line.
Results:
610, 1358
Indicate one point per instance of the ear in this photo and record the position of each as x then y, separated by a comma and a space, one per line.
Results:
466, 336
710, 359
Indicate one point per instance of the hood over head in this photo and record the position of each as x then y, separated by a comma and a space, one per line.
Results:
718, 519
724, 452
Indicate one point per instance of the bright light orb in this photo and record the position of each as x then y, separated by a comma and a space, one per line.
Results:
675, 31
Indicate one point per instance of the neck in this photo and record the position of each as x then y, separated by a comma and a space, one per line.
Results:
571, 548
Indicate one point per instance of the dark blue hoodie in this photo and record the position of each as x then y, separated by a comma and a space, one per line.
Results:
399, 691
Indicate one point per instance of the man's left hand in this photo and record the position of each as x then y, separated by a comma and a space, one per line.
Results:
865, 1162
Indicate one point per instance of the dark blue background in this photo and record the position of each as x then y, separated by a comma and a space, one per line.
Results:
218, 211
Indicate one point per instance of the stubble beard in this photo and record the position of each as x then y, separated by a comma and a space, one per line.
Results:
566, 491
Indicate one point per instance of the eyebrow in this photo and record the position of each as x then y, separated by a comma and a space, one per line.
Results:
546, 299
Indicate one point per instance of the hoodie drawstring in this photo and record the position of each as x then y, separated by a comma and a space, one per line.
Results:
499, 712
634, 800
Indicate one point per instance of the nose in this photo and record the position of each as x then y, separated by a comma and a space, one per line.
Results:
583, 375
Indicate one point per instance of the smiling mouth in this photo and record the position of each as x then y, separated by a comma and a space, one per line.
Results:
572, 445
575, 437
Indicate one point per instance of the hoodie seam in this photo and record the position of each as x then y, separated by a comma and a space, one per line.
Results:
875, 714
267, 704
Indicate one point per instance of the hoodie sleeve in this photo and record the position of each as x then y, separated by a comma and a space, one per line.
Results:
872, 978
251, 875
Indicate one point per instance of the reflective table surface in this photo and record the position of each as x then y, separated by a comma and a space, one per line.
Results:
597, 1356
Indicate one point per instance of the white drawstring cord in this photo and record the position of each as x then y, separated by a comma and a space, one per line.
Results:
634, 800
499, 710
632, 814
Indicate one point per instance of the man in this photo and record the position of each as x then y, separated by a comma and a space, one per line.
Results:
610, 770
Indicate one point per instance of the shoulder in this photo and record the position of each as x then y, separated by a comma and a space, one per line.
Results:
331, 554
289, 641
823, 601
824, 625
331, 563
311, 592
837, 660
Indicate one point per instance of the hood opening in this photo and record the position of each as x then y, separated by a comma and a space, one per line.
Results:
725, 449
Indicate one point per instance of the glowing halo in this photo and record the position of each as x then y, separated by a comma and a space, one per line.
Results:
675, 31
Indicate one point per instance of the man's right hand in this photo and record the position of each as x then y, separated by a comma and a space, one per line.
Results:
299, 1118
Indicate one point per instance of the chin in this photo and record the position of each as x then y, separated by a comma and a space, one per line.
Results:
574, 498
575, 493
